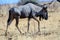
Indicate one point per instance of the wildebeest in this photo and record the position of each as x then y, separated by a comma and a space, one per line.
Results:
29, 11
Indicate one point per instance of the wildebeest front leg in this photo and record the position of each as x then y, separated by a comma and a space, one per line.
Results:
38, 23
17, 20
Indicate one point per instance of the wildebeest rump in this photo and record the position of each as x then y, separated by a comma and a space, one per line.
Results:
26, 11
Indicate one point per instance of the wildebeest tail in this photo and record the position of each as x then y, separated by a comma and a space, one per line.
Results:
9, 13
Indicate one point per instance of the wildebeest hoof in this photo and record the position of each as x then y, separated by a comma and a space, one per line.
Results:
27, 33
5, 34
37, 33
22, 33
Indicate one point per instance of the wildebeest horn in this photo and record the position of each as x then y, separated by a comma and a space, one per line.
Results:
58, 0
46, 5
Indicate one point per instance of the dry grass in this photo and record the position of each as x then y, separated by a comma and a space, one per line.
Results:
50, 29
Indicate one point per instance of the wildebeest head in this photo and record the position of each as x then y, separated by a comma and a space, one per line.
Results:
43, 13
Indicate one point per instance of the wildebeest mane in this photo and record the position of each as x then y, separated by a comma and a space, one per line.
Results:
29, 2
39, 4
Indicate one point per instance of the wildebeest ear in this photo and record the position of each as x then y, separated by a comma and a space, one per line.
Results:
45, 7
58, 0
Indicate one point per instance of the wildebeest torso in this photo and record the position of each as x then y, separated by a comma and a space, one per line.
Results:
25, 11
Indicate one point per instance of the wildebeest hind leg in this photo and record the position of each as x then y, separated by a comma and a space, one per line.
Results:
17, 20
8, 23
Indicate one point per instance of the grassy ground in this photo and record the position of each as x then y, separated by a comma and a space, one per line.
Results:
50, 29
